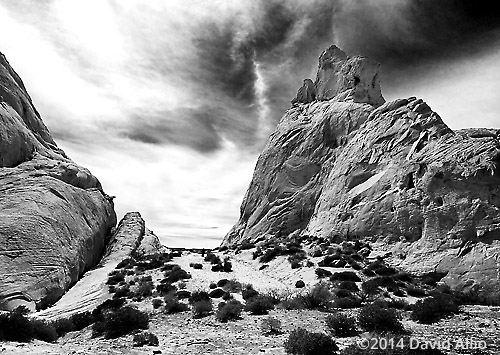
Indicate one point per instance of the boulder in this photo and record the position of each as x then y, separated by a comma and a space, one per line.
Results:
54, 215
393, 174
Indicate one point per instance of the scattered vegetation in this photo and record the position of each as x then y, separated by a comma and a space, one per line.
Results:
16, 326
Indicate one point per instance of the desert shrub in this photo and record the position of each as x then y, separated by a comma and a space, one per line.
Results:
322, 273
300, 284
328, 260
217, 268
227, 266
385, 270
342, 293
403, 276
229, 311
145, 289
318, 297
259, 305
126, 264
341, 325
303, 342
175, 275
43, 330
117, 322
270, 326
121, 292
415, 291
345, 276
212, 258
196, 266
165, 288
348, 285
247, 245
183, 294
212, 285
346, 302
399, 292
432, 309
145, 338
368, 272
258, 252
202, 308
270, 254
398, 304
217, 293
374, 317
16, 326
227, 296
248, 292
233, 286
157, 303
173, 305
432, 278
295, 264
82, 320
199, 295
222, 282
115, 277
63, 326
292, 303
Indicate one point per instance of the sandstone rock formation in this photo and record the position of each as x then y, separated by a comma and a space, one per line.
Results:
129, 238
54, 215
352, 167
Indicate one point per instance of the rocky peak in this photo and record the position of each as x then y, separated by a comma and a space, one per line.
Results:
344, 78
349, 166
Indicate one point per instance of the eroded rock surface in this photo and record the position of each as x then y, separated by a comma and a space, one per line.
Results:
129, 237
392, 172
54, 215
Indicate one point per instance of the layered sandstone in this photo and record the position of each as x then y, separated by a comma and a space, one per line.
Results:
54, 215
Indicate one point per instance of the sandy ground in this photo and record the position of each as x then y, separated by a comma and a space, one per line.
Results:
181, 334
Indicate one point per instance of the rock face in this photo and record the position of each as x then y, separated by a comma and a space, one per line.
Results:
394, 173
129, 238
54, 215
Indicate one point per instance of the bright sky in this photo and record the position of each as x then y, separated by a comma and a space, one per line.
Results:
166, 105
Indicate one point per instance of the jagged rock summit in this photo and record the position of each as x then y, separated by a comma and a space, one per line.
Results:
346, 165
54, 215
343, 78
